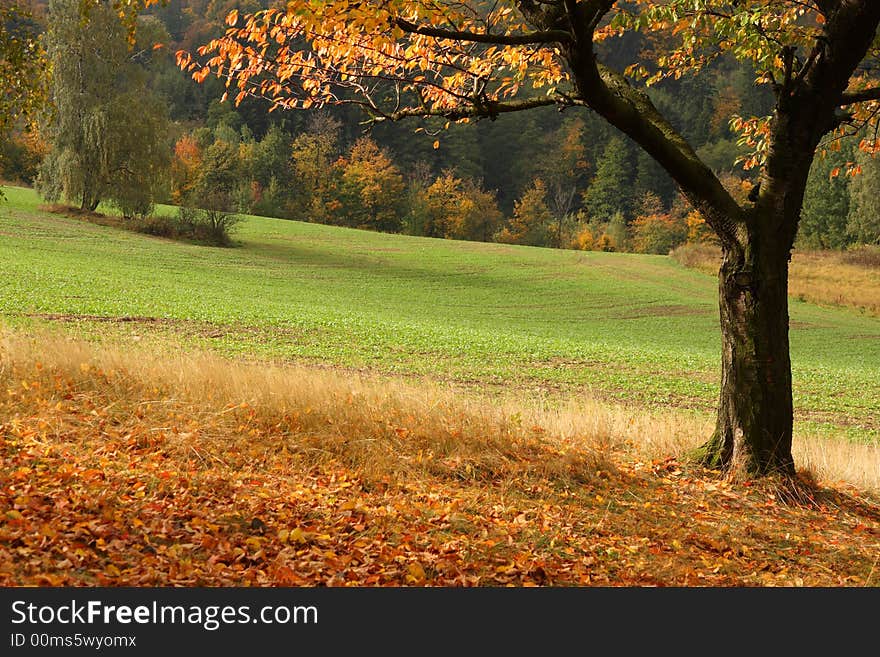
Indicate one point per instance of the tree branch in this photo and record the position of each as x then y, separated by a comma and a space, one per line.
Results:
862, 96
484, 109
545, 36
631, 111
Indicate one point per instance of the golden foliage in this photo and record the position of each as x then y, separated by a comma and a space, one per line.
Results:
146, 468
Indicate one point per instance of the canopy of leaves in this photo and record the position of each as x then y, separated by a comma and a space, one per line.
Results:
401, 58
20, 64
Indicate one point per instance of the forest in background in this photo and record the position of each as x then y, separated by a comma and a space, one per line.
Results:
547, 178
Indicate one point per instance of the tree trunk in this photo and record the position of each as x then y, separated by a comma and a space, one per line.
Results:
754, 427
90, 201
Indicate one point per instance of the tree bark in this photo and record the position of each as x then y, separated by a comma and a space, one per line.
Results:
753, 433
90, 201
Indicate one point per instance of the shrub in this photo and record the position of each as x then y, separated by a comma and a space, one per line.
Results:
583, 239
211, 226
134, 205
207, 226
605, 243
617, 233
217, 226
704, 256
658, 233
157, 225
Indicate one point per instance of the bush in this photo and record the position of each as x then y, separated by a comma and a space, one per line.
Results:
699, 255
211, 226
134, 206
583, 239
216, 226
658, 233
157, 225
207, 226
605, 243
616, 232
269, 201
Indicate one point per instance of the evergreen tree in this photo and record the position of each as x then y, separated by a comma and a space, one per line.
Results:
460, 150
863, 223
721, 155
826, 204
610, 191
510, 149
652, 179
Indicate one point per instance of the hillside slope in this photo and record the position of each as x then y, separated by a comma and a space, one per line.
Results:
634, 328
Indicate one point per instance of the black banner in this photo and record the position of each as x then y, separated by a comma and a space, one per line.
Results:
168, 621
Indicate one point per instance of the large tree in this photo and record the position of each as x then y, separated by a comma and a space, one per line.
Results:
106, 129
611, 189
19, 61
21, 64
474, 59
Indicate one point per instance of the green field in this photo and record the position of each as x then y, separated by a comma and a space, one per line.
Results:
632, 328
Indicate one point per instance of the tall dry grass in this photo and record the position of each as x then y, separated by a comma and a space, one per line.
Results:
837, 278
386, 427
379, 427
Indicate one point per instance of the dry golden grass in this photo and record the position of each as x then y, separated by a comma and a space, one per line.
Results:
378, 427
381, 425
835, 278
651, 435
144, 467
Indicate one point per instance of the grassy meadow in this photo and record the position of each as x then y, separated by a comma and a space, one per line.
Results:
329, 407
549, 324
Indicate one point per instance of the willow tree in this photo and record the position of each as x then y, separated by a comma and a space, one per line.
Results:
106, 130
474, 59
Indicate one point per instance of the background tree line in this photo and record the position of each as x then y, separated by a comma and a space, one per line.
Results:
123, 125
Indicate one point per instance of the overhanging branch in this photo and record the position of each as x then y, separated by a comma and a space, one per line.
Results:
631, 111
485, 109
531, 38
860, 96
